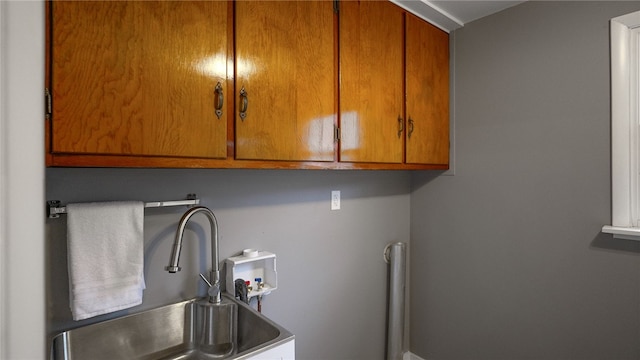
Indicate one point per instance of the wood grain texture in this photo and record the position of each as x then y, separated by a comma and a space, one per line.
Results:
47, 83
288, 74
125, 75
138, 78
63, 160
371, 81
427, 81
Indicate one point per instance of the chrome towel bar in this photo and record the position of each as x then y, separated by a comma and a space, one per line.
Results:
55, 208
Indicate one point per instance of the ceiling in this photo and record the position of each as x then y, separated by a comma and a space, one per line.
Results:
452, 14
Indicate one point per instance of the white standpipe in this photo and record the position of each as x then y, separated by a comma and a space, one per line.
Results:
395, 256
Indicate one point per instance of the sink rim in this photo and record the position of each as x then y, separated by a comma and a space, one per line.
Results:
284, 336
60, 350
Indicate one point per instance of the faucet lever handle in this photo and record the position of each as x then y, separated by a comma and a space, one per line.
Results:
204, 278
213, 290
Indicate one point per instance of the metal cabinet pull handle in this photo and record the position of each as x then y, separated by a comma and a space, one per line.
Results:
244, 103
219, 100
410, 128
400, 126
48, 105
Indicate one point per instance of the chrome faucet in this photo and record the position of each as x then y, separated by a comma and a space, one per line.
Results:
214, 276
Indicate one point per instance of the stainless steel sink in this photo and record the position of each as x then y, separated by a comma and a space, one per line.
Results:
166, 332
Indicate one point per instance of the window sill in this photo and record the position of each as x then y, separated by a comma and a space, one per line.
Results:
619, 232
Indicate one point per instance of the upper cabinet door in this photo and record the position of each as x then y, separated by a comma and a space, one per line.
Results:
285, 80
139, 77
371, 82
427, 79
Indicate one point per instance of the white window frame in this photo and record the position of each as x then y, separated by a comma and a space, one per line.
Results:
4, 329
625, 127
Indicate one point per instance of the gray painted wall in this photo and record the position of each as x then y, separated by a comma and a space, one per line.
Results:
331, 274
508, 261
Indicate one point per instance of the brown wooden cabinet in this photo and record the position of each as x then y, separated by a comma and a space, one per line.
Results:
285, 80
245, 84
427, 89
394, 86
139, 78
371, 86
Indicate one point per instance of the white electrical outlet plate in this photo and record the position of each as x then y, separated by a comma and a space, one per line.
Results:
335, 200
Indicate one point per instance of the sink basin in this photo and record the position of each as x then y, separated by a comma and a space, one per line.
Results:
167, 332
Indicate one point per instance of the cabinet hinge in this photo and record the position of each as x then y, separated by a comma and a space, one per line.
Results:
336, 133
336, 6
48, 109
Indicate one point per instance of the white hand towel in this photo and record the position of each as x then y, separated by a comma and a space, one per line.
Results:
105, 247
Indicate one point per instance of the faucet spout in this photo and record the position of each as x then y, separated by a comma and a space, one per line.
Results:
174, 261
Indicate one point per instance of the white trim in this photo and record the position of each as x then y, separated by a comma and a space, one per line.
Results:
448, 15
625, 147
431, 14
3, 271
631, 20
23, 294
627, 233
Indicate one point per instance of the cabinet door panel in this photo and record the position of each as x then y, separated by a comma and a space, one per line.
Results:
288, 73
371, 85
138, 77
427, 76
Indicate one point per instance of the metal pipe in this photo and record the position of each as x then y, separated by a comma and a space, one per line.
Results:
396, 255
